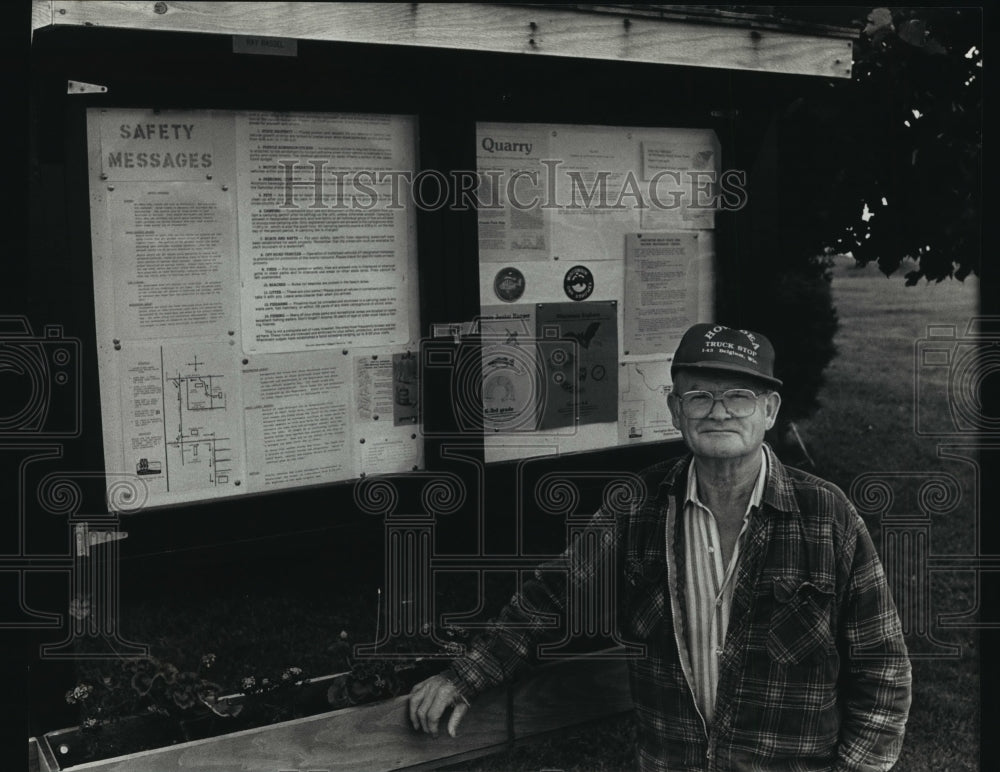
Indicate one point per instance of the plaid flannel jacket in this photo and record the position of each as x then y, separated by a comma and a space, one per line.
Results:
814, 674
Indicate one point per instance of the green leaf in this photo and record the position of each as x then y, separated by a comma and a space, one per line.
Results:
913, 32
931, 46
879, 23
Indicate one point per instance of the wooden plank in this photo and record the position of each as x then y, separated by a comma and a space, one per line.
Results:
36, 759
378, 737
484, 27
369, 737
572, 693
41, 14
769, 17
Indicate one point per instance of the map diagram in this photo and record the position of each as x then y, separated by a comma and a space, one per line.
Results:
197, 456
645, 416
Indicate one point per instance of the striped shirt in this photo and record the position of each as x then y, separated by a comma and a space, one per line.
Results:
708, 587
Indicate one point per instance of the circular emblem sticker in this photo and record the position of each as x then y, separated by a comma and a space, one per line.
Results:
508, 284
578, 282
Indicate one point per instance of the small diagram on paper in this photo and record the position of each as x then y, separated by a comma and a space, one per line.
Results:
146, 467
645, 416
198, 455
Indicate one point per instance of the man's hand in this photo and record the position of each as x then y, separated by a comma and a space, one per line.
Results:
430, 699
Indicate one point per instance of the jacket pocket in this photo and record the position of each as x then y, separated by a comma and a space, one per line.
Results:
800, 622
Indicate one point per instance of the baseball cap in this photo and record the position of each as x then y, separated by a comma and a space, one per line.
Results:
717, 347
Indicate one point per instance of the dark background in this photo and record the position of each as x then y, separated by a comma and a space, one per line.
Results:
299, 542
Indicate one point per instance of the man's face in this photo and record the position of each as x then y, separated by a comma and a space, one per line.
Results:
719, 434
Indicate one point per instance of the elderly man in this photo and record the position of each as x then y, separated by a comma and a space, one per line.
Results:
771, 641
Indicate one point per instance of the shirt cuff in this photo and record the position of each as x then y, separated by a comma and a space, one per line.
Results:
462, 679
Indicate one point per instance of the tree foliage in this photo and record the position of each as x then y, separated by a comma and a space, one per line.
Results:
884, 166
895, 154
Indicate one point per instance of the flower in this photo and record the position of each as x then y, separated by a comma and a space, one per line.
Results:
141, 664
143, 682
79, 608
247, 683
290, 673
343, 635
337, 694
79, 693
185, 690
169, 672
184, 698
207, 660
145, 671
455, 630
208, 694
206, 691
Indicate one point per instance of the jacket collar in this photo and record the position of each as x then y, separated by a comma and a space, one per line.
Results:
779, 493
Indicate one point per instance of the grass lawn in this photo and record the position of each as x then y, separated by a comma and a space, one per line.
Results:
867, 425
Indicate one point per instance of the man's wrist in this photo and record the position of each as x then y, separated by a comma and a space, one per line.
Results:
466, 689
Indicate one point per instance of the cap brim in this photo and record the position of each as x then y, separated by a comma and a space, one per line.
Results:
722, 367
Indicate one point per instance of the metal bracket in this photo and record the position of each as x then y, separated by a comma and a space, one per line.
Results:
86, 538
79, 87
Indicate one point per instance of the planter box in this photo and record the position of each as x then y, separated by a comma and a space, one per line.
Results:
379, 737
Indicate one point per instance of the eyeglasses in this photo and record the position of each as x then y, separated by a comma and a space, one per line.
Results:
739, 403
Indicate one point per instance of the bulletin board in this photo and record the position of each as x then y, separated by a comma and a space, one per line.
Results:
256, 298
596, 252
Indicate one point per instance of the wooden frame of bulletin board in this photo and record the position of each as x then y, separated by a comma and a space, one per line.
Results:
235, 375
256, 299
